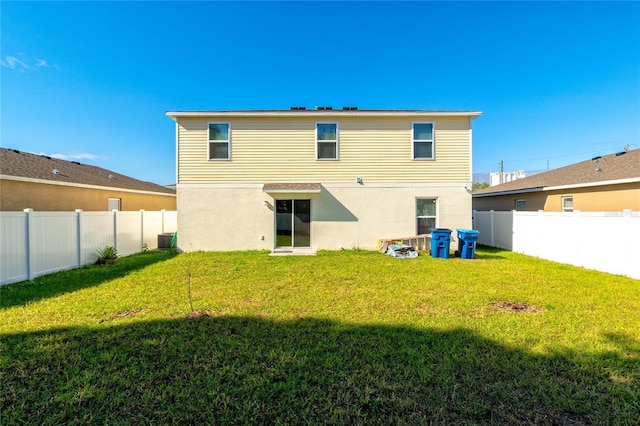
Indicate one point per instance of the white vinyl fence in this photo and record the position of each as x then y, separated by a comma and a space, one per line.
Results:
604, 241
38, 243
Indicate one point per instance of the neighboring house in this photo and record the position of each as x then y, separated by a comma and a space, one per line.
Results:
301, 180
608, 183
43, 183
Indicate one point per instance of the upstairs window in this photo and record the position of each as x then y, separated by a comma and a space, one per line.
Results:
567, 203
327, 141
219, 141
423, 141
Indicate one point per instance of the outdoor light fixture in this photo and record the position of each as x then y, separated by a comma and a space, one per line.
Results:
359, 180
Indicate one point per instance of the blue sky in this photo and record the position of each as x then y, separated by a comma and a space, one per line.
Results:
557, 82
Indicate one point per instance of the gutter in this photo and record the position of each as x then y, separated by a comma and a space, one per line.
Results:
511, 192
558, 187
322, 113
82, 185
584, 185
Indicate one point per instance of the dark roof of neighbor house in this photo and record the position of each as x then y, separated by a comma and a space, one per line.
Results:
608, 168
42, 167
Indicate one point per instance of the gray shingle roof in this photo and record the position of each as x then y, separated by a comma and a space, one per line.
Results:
600, 169
34, 166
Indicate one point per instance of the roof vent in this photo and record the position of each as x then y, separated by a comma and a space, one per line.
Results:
350, 108
111, 176
324, 108
75, 162
16, 151
298, 108
56, 171
46, 156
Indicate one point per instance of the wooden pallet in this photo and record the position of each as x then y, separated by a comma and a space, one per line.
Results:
418, 242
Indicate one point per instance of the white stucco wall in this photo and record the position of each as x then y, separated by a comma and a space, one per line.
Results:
225, 217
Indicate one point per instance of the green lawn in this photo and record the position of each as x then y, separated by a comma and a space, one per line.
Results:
350, 337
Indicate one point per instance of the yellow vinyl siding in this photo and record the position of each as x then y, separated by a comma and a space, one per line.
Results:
282, 149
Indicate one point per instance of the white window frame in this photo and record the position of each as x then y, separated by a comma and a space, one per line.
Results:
565, 198
426, 217
521, 200
336, 141
228, 142
432, 140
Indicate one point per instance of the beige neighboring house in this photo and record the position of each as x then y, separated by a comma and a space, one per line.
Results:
607, 183
301, 180
43, 183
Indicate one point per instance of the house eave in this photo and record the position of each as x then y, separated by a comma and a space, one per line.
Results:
511, 192
559, 187
590, 184
175, 115
81, 185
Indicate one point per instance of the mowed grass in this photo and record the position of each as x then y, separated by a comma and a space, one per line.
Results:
351, 337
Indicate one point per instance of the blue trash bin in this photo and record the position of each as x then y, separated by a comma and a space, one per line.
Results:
467, 243
440, 241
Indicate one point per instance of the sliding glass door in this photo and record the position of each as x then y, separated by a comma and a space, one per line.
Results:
293, 223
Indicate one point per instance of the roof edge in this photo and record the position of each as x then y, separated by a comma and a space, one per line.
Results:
509, 192
558, 187
322, 113
587, 184
83, 185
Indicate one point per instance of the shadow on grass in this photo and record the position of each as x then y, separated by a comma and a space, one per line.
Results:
63, 282
238, 370
486, 252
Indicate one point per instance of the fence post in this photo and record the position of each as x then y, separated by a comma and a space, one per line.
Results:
29, 239
79, 231
115, 228
493, 244
141, 229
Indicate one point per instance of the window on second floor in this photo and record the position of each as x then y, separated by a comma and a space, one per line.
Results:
567, 203
219, 141
521, 205
423, 141
327, 141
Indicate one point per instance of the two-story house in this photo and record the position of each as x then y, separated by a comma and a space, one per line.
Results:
300, 180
